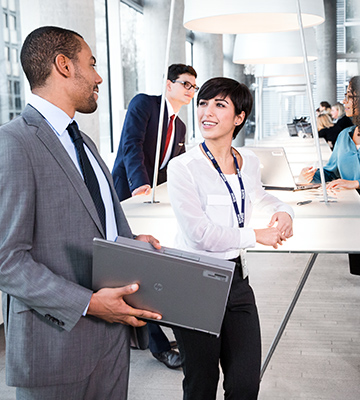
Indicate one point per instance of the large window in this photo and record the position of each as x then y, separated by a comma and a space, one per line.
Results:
348, 43
10, 77
133, 62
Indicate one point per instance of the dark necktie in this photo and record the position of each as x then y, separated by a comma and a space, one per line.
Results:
88, 172
168, 136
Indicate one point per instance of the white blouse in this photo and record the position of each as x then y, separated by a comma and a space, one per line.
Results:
203, 208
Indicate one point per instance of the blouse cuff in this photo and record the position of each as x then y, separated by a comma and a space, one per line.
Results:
247, 238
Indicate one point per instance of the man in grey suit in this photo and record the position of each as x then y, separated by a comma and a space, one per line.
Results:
62, 340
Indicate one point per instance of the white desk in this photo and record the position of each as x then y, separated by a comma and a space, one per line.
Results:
318, 226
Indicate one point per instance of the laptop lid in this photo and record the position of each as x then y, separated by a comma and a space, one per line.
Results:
189, 290
276, 173
275, 168
292, 129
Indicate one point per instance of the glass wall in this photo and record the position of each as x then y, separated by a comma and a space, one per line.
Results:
11, 98
132, 49
348, 43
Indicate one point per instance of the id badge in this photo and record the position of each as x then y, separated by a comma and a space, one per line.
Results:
245, 270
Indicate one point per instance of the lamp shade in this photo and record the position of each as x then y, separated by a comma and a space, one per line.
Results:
250, 16
274, 48
287, 81
274, 70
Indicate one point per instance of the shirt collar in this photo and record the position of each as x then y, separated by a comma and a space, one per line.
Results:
170, 109
54, 116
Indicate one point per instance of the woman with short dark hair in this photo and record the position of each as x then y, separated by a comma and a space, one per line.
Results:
213, 189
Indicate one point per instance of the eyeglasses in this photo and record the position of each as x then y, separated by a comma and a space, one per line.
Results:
348, 97
187, 85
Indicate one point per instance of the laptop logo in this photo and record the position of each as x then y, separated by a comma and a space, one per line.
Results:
158, 287
215, 275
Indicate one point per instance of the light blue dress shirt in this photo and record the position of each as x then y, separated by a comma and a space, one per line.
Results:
344, 162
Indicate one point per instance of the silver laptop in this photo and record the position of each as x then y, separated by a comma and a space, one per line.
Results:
276, 173
189, 290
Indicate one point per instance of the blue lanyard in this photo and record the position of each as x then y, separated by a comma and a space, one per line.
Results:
239, 215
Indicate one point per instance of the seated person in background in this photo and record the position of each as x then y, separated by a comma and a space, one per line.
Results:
340, 120
343, 169
213, 201
323, 124
337, 111
324, 108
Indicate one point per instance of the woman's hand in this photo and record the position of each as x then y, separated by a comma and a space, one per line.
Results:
307, 174
269, 237
343, 184
283, 223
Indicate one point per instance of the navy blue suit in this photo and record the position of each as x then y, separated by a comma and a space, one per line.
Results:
134, 163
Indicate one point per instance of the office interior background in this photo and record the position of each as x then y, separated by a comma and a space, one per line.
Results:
128, 38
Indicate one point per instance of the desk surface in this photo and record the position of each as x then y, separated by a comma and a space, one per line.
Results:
332, 227
318, 226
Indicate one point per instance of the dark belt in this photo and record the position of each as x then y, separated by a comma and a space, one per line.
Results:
238, 267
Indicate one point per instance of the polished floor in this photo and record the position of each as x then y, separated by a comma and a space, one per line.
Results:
318, 356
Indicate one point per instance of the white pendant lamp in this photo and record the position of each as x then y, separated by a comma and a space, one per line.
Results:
250, 16
274, 47
270, 70
287, 81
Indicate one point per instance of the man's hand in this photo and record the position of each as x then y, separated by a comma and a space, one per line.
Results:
109, 305
144, 189
149, 239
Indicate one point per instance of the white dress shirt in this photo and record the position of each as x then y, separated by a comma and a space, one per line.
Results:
58, 120
202, 204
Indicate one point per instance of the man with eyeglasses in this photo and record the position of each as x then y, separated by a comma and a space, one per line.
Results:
134, 164
135, 161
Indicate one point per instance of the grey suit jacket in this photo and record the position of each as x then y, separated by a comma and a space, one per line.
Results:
48, 222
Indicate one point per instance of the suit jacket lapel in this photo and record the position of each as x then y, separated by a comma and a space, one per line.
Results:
53, 144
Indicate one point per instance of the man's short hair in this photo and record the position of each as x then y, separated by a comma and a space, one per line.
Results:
40, 49
325, 104
175, 70
225, 87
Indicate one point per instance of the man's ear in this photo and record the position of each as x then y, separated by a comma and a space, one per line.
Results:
168, 85
63, 65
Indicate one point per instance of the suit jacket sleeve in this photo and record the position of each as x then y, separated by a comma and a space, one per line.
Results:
22, 276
